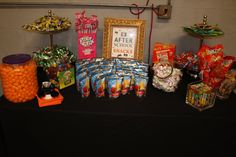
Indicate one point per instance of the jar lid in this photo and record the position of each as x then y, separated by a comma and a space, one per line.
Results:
16, 59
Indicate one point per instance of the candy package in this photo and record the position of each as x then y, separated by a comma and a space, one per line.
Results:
78, 77
114, 86
209, 57
140, 85
125, 86
200, 96
214, 65
116, 75
84, 86
100, 86
93, 77
163, 52
186, 60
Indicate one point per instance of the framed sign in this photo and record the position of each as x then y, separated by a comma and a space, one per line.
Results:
123, 38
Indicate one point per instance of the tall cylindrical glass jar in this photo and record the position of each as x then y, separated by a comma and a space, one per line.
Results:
18, 73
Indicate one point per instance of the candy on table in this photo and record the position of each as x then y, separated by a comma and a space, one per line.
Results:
170, 83
48, 57
213, 64
200, 96
19, 79
48, 23
204, 30
162, 69
111, 69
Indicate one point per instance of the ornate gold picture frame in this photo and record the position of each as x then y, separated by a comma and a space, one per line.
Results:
123, 38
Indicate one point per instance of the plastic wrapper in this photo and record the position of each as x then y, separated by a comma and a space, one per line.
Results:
163, 52
78, 77
114, 86
108, 70
209, 57
125, 86
228, 85
93, 77
140, 85
214, 65
100, 86
84, 86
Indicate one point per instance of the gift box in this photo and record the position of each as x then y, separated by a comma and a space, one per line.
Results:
200, 95
63, 75
42, 102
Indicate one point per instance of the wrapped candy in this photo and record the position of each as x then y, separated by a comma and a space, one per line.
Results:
162, 69
86, 24
48, 23
214, 65
48, 57
166, 77
185, 60
170, 83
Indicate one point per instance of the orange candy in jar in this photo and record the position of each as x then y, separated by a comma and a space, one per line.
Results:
18, 73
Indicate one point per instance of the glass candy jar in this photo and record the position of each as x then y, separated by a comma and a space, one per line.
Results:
18, 73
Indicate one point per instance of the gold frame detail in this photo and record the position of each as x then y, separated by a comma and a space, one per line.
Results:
110, 23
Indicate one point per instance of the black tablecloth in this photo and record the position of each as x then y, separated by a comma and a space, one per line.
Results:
158, 124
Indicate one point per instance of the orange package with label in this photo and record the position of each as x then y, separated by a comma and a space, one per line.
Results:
163, 52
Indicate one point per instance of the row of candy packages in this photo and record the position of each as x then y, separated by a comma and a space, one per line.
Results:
117, 76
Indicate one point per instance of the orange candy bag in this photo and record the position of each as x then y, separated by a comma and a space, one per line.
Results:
164, 52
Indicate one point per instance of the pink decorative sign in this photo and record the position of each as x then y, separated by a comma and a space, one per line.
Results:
86, 45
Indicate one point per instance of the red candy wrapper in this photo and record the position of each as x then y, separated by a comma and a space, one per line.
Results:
163, 52
210, 57
213, 64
